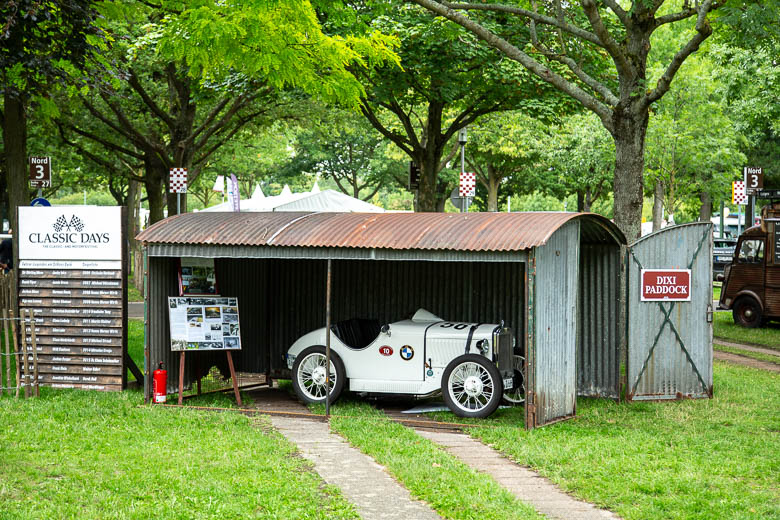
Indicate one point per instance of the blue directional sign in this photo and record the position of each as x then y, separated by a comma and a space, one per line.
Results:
40, 201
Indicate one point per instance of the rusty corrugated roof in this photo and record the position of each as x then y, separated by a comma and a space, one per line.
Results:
434, 231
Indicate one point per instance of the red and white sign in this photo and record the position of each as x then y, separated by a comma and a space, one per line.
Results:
738, 193
386, 350
468, 184
672, 285
178, 180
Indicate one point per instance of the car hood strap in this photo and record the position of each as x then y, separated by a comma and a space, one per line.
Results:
471, 335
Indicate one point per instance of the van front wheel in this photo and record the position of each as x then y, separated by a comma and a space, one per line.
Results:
747, 312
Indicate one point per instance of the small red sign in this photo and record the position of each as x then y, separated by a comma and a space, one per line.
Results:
386, 350
666, 285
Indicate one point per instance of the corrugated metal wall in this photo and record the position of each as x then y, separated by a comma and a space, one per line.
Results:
555, 335
598, 335
659, 365
281, 299
163, 282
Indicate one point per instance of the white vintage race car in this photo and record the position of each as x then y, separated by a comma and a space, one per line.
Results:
474, 365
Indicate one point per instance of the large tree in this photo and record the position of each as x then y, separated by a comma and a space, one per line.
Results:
619, 30
446, 82
42, 46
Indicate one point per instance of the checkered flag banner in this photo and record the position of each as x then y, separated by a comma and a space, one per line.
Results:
738, 193
178, 180
468, 184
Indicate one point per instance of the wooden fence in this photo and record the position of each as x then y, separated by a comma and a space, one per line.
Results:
19, 357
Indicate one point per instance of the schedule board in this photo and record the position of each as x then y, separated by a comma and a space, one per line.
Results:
71, 277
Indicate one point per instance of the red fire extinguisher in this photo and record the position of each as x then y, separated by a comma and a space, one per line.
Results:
160, 384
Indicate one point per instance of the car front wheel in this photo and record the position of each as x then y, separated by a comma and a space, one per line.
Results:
747, 312
309, 376
471, 386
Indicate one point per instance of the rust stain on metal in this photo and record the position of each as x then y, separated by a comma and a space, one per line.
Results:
427, 231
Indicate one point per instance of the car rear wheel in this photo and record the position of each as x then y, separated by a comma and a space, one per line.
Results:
747, 312
309, 375
471, 386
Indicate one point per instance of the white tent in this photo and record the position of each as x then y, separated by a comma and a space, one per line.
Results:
329, 200
314, 200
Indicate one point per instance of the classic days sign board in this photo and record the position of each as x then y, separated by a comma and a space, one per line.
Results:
71, 277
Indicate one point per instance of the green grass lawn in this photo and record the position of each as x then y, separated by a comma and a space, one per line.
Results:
77, 454
431, 474
767, 336
717, 458
701, 459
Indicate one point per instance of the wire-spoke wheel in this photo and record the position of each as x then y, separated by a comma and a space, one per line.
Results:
471, 386
516, 394
309, 375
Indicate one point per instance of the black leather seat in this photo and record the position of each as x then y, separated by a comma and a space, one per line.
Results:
356, 333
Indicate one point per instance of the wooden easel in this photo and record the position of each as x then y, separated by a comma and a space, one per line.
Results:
232, 376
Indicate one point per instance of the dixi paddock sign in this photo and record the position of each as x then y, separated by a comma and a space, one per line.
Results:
666, 285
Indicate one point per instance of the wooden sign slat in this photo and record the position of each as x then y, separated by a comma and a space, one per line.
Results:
75, 312
58, 321
70, 340
99, 388
70, 302
76, 350
46, 368
58, 292
57, 283
77, 360
71, 273
76, 331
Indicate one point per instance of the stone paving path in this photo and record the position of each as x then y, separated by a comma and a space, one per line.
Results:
526, 485
362, 481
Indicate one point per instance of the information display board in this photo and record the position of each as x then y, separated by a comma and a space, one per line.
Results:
204, 323
71, 278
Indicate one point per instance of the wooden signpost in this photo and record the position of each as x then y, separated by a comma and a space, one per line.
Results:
72, 285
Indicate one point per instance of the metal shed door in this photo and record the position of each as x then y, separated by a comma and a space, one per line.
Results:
551, 352
670, 342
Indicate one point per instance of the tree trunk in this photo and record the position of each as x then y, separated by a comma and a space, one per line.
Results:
15, 150
629, 134
658, 205
130, 228
588, 203
177, 202
493, 183
427, 192
580, 201
705, 211
154, 184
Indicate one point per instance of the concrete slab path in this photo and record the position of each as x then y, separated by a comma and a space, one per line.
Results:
525, 484
375, 494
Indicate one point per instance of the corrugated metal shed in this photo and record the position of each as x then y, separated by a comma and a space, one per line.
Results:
524, 268
400, 231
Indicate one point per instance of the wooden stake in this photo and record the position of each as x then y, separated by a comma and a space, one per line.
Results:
181, 375
25, 366
35, 353
233, 377
16, 351
6, 326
